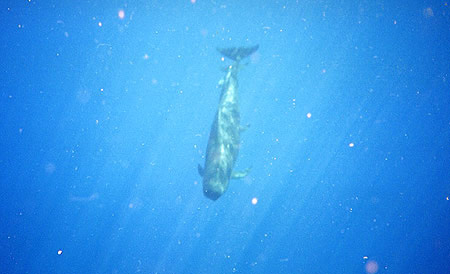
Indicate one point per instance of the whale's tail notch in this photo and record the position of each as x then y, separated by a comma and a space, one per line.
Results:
237, 54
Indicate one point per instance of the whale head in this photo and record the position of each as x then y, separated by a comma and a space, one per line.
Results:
214, 188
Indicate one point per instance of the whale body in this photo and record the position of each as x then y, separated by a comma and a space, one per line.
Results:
224, 139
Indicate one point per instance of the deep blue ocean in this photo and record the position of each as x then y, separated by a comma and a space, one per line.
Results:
106, 108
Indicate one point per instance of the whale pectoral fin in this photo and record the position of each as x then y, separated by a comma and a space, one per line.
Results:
244, 128
240, 174
200, 170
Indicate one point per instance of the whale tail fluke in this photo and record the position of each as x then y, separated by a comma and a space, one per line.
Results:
238, 54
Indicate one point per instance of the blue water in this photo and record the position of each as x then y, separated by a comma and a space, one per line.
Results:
106, 108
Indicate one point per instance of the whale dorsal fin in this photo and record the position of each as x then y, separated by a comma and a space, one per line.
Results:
238, 54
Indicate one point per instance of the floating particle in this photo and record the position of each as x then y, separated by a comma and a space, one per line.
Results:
371, 267
121, 14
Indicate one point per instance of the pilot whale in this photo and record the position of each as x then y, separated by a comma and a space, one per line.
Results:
224, 139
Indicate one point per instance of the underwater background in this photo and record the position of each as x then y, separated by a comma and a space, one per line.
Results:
106, 109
